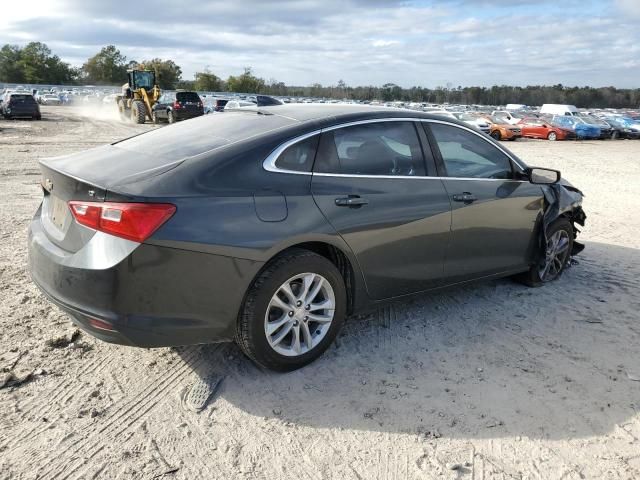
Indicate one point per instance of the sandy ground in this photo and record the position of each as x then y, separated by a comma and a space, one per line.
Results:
488, 381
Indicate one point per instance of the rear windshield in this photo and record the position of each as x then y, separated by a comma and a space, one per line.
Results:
21, 98
187, 97
202, 134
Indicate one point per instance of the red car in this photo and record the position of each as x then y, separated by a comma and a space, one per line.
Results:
541, 128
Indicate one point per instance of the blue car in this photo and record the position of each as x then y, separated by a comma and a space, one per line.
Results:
582, 129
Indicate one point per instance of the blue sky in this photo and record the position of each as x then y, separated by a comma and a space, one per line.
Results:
363, 42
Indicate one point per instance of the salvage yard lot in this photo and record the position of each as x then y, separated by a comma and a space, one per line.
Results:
486, 381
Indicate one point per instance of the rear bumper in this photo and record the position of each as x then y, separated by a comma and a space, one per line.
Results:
154, 297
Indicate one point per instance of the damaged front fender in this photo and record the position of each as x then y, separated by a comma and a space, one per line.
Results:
561, 199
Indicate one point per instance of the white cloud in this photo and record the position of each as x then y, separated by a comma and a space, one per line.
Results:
384, 43
361, 41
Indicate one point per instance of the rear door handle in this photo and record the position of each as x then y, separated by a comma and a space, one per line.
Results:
466, 197
351, 201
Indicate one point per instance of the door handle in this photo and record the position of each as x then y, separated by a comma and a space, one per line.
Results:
351, 201
466, 197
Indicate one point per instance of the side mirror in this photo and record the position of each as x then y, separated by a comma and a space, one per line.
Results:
543, 176
544, 125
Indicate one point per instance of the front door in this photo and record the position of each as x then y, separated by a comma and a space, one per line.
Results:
370, 182
494, 210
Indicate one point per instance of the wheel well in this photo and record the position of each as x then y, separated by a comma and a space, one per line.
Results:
339, 259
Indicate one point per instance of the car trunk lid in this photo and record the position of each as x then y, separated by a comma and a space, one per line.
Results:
87, 176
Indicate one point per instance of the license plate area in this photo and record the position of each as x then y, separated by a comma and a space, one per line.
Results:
58, 212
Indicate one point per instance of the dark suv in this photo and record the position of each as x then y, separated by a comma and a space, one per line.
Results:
20, 105
177, 106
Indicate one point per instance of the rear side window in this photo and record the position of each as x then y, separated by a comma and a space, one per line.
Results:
466, 155
188, 97
382, 148
299, 156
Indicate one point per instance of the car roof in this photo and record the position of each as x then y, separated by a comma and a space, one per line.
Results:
326, 114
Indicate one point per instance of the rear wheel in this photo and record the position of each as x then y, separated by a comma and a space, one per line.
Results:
496, 135
293, 311
553, 136
170, 117
138, 112
556, 255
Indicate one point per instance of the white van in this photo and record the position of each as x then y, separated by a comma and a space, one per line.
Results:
515, 106
558, 109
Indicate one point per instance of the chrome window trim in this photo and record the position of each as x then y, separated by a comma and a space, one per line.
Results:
269, 164
415, 177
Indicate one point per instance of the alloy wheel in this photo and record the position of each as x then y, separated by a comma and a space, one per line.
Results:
299, 314
556, 256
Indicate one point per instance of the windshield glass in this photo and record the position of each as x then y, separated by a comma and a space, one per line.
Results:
188, 97
21, 98
494, 119
143, 80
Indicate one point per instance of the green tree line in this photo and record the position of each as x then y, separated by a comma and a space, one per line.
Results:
35, 63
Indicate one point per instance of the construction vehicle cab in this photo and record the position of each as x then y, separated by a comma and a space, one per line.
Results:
138, 96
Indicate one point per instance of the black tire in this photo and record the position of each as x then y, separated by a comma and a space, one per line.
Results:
170, 117
37, 117
250, 331
138, 111
615, 135
496, 135
532, 277
552, 136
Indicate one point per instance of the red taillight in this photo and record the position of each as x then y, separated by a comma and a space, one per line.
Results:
177, 105
133, 221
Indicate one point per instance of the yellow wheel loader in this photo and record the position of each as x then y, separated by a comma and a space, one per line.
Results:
139, 95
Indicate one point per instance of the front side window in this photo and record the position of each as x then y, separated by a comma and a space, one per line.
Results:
299, 156
466, 155
381, 148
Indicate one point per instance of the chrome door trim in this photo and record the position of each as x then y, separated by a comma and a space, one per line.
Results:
269, 164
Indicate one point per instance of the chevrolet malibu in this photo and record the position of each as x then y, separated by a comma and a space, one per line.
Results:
270, 226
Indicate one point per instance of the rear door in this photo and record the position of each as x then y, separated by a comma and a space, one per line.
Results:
161, 106
494, 211
371, 184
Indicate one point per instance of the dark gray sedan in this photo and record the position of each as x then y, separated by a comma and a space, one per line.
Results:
269, 227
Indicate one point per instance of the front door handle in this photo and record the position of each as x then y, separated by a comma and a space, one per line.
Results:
466, 197
351, 201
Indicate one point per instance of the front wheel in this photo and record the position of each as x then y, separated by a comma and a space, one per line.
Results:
496, 135
556, 255
170, 117
293, 311
553, 136
138, 112
615, 135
